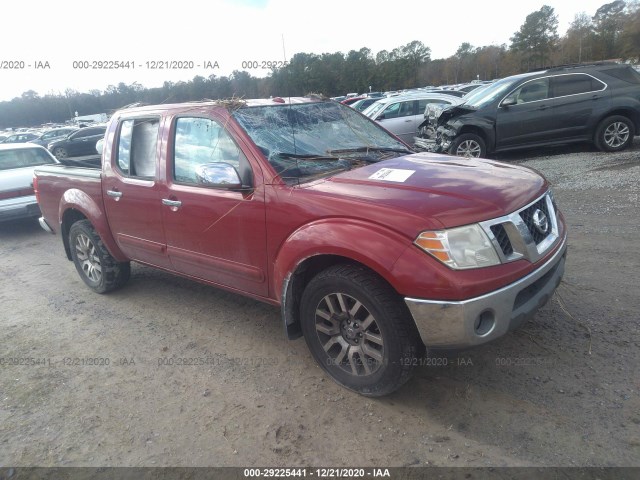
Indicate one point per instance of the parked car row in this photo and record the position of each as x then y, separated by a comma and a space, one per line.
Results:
17, 162
63, 142
598, 103
80, 142
403, 114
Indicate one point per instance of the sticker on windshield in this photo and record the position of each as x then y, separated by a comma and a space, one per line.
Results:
392, 174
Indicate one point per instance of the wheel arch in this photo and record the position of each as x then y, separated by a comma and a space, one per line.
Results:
322, 244
77, 205
629, 113
487, 138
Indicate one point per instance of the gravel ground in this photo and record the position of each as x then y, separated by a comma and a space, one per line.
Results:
562, 391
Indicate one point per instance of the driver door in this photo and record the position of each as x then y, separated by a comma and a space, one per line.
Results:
215, 234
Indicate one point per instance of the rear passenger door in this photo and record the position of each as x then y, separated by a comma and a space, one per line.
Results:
401, 120
576, 95
132, 195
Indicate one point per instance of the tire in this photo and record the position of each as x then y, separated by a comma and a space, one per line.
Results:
468, 145
60, 152
614, 133
99, 270
359, 330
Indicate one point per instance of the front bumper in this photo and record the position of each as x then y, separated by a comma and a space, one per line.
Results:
19, 207
446, 324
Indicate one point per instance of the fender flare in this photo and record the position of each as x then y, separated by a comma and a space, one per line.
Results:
340, 239
76, 199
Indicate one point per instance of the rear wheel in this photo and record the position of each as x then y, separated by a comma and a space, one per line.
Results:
468, 145
359, 331
97, 268
60, 152
614, 133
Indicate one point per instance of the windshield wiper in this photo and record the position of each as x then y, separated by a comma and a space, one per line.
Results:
370, 149
304, 156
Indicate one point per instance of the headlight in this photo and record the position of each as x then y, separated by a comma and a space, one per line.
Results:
460, 248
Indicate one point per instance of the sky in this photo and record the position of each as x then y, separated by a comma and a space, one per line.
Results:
47, 46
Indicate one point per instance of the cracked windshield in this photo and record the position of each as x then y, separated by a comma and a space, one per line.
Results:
307, 141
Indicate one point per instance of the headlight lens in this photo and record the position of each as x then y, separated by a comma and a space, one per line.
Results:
460, 248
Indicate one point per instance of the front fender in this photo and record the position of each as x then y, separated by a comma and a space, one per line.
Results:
75, 199
372, 245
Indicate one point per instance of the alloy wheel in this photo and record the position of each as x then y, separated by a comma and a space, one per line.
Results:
349, 334
88, 258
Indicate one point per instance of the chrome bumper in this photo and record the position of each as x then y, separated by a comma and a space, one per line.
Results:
19, 207
45, 226
446, 324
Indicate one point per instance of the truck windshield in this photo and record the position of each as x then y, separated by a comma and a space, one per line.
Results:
307, 140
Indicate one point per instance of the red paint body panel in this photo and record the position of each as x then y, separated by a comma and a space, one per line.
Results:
251, 242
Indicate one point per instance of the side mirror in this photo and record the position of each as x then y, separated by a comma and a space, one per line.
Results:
509, 101
218, 175
380, 117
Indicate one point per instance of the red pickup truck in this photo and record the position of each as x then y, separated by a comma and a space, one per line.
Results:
371, 251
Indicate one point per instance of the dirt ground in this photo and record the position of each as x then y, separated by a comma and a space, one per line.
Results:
97, 381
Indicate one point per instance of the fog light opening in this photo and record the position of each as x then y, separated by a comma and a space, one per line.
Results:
484, 323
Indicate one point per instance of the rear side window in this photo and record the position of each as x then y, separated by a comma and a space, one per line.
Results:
422, 104
137, 147
573, 84
21, 158
626, 74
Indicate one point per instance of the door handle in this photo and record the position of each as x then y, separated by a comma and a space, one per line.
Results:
114, 194
171, 203
407, 121
542, 107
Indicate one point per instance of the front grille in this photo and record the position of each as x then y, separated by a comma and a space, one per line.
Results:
528, 215
526, 233
502, 238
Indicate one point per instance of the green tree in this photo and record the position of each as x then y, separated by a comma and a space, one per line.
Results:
537, 37
630, 39
608, 23
577, 43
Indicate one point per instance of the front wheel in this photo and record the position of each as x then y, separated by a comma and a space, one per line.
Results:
468, 145
97, 268
614, 133
359, 331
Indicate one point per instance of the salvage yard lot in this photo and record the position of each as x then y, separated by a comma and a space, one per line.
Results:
167, 372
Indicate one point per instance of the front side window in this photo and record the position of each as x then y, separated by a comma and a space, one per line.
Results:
200, 141
392, 111
137, 147
532, 91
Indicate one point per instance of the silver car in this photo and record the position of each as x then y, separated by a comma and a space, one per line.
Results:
17, 162
402, 114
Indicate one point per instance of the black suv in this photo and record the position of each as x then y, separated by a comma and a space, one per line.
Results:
597, 103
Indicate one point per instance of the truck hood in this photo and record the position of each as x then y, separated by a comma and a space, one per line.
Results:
429, 190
